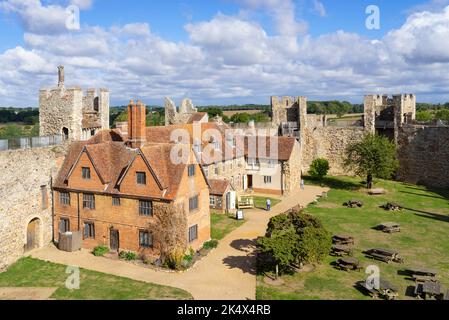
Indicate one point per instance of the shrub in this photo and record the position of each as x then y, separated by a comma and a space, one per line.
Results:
319, 168
210, 244
100, 251
127, 255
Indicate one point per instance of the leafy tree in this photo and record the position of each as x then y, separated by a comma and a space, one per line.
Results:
314, 245
281, 246
241, 118
442, 114
319, 168
279, 222
374, 156
424, 115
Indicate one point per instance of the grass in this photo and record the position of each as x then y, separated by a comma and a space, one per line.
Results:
29, 272
261, 202
423, 240
222, 224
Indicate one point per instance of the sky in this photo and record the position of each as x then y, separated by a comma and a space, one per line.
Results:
225, 51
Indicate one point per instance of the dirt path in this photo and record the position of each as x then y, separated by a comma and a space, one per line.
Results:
26, 293
227, 273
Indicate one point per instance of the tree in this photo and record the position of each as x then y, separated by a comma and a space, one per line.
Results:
424, 115
169, 229
314, 245
319, 168
442, 114
281, 246
374, 156
11, 131
241, 117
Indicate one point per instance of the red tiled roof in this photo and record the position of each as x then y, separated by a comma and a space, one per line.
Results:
197, 116
218, 187
284, 147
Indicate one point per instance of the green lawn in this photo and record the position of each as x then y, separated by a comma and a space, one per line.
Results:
423, 241
222, 224
261, 202
29, 272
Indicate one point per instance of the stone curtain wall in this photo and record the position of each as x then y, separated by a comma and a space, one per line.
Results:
23, 173
329, 143
423, 153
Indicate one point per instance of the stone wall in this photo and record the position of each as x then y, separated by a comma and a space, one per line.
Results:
329, 143
25, 194
423, 152
181, 116
292, 171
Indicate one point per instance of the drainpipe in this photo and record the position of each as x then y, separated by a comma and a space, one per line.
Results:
79, 216
52, 210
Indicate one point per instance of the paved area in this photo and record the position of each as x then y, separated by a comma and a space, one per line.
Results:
26, 293
227, 273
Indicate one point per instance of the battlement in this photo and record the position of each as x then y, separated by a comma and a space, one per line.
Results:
175, 115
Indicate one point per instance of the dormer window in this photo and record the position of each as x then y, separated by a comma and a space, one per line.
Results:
192, 168
86, 173
141, 178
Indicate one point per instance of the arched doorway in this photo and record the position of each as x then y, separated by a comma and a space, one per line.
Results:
65, 133
33, 232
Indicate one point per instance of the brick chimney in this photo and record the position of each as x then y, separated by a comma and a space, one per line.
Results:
136, 124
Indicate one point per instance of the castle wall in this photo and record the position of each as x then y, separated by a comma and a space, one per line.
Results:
423, 152
25, 194
329, 143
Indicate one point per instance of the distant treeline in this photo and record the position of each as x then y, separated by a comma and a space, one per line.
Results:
29, 116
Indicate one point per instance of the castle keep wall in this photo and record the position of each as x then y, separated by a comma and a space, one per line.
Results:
25, 195
423, 152
329, 143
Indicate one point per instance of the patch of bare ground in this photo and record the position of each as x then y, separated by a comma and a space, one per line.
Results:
26, 293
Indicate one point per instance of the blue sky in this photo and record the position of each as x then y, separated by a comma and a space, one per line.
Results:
226, 51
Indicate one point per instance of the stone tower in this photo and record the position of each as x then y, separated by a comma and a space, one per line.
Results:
183, 115
66, 111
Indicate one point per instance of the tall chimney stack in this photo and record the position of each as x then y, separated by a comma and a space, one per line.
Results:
136, 124
60, 76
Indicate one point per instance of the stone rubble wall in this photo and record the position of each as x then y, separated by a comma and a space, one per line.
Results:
329, 143
423, 153
24, 173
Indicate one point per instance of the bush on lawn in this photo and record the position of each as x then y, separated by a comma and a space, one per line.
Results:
295, 238
319, 168
100, 251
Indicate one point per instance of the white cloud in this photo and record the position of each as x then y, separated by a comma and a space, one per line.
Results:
82, 4
319, 8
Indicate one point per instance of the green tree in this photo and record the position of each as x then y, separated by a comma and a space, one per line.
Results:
442, 114
374, 156
241, 117
319, 168
281, 246
314, 245
424, 115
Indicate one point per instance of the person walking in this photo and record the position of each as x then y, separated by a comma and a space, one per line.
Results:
268, 204
302, 184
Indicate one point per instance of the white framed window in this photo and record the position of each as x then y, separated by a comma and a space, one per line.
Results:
212, 201
267, 179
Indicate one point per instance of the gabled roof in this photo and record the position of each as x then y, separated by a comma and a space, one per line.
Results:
197, 117
285, 146
218, 187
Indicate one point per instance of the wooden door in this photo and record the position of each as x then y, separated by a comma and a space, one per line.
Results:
115, 240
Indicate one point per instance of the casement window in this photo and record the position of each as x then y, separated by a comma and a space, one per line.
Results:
212, 201
145, 208
86, 173
116, 201
89, 230
267, 179
141, 178
89, 201
192, 168
64, 198
193, 233
145, 239
193, 203
64, 225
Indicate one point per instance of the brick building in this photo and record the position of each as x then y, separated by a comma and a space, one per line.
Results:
111, 187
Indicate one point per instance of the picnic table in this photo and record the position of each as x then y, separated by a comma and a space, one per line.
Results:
353, 204
376, 192
422, 275
343, 239
389, 227
349, 263
384, 255
386, 290
341, 250
429, 289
